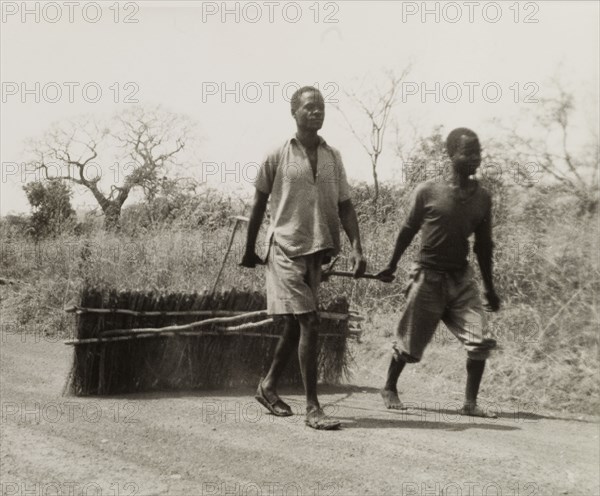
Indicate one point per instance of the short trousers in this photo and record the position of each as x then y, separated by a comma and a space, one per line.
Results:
292, 283
450, 297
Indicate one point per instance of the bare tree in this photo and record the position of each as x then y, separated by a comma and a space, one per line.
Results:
424, 159
376, 104
552, 153
146, 142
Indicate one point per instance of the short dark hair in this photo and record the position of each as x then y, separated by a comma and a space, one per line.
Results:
453, 138
295, 101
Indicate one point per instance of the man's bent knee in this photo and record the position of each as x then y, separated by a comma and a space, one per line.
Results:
481, 351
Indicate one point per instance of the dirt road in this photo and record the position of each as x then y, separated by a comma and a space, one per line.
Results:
223, 443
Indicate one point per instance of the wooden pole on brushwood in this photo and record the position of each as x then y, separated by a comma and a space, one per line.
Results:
237, 219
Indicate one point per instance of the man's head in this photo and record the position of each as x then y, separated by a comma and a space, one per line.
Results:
308, 108
464, 150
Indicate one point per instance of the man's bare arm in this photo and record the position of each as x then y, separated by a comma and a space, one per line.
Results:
250, 258
350, 224
484, 249
408, 231
405, 237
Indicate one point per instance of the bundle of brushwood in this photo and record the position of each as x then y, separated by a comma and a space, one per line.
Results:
133, 341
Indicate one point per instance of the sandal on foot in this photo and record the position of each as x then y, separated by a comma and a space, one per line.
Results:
475, 411
277, 406
316, 419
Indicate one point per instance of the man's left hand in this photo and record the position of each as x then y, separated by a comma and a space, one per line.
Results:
493, 301
359, 264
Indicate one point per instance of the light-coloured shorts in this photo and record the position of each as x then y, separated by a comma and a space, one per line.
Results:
292, 283
450, 297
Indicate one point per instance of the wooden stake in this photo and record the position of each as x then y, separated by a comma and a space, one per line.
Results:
231, 237
223, 332
189, 313
185, 327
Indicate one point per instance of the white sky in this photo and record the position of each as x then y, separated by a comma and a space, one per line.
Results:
171, 53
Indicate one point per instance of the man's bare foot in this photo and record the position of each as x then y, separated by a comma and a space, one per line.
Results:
472, 410
391, 400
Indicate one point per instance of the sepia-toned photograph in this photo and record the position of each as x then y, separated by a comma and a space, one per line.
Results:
299, 248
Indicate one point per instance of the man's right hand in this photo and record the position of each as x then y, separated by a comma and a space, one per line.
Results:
251, 260
387, 274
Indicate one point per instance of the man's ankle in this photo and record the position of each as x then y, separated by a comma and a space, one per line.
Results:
268, 384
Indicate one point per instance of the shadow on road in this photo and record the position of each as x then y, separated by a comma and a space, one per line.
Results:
404, 423
348, 390
430, 409
514, 414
